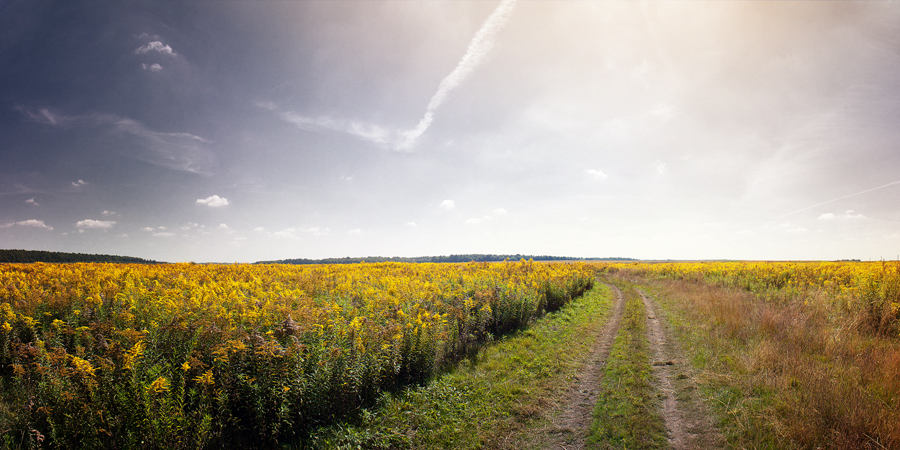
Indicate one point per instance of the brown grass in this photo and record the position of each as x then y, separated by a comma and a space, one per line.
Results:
802, 372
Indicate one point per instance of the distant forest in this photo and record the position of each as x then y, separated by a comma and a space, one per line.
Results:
437, 259
31, 256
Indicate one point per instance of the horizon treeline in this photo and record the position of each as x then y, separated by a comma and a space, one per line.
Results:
32, 256
439, 259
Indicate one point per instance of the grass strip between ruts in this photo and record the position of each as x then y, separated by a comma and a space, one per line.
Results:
481, 402
627, 410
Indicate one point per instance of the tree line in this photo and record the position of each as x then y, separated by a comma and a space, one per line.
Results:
439, 259
32, 256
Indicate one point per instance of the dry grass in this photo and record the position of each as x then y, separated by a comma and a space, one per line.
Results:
791, 373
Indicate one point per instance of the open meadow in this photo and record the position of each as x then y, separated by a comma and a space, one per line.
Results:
478, 355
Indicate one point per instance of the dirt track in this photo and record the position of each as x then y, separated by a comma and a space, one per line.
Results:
571, 426
687, 423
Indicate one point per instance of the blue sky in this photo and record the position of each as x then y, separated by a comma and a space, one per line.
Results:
238, 131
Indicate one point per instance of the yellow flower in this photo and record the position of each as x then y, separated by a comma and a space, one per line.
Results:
185, 367
159, 385
206, 378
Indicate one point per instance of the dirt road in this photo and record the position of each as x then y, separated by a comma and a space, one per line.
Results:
570, 428
687, 422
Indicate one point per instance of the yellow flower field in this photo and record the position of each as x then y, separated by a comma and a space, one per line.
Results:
190, 356
872, 287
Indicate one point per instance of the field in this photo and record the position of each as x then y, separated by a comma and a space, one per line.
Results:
477, 355
190, 356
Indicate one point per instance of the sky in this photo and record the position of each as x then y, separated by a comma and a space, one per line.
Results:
239, 131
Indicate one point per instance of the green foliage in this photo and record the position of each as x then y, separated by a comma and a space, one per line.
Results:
497, 393
627, 411
31, 256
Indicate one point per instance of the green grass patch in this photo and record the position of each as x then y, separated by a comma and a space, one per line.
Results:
627, 410
503, 390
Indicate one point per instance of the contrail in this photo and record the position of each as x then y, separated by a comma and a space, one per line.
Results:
841, 198
475, 55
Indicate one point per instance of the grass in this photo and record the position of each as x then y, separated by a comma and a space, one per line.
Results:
786, 374
627, 411
486, 400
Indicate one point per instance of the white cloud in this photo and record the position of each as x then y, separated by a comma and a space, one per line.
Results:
259, 229
32, 202
155, 46
448, 204
411, 224
499, 211
45, 116
663, 112
286, 233
595, 174
354, 231
851, 215
178, 150
79, 183
371, 133
479, 47
223, 226
152, 67
108, 213
660, 167
164, 234
95, 224
33, 223
473, 221
213, 201
848, 215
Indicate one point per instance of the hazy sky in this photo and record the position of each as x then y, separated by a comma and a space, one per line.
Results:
246, 130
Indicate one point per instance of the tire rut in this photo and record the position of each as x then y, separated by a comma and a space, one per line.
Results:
687, 422
571, 426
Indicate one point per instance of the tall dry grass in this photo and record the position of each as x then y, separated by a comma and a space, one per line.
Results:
804, 373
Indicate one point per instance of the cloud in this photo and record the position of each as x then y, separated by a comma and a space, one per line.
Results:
370, 133
476, 53
155, 46
79, 183
95, 224
33, 223
213, 201
660, 167
164, 234
848, 215
31, 201
663, 112
448, 204
354, 231
499, 211
258, 229
44, 116
595, 174
108, 213
411, 224
178, 150
841, 198
223, 226
473, 221
152, 67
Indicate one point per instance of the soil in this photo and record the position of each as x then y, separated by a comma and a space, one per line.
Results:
687, 422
